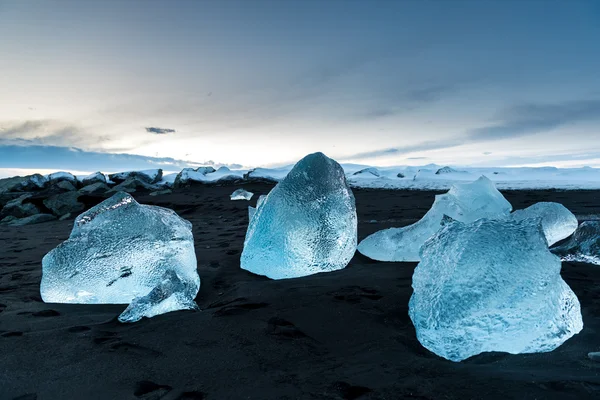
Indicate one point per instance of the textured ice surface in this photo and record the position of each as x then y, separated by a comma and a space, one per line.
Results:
465, 202
118, 251
491, 285
557, 221
252, 210
241, 194
305, 225
171, 294
584, 246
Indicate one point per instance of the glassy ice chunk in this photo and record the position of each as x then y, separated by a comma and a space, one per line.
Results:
120, 250
241, 194
252, 210
464, 202
171, 294
557, 221
305, 225
583, 246
491, 285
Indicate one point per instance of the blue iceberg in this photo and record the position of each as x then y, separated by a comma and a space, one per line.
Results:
464, 202
120, 251
491, 285
305, 225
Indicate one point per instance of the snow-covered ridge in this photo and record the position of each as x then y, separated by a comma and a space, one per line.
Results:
434, 177
428, 177
442, 177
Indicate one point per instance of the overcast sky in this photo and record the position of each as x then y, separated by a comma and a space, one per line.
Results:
262, 83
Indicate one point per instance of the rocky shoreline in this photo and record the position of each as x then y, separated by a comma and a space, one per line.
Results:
37, 198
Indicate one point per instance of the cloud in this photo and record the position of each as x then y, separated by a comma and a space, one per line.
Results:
395, 100
159, 131
50, 132
71, 158
379, 113
527, 119
23, 128
583, 157
429, 94
429, 145
516, 121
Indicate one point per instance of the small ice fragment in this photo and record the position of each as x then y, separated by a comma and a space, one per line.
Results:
583, 246
557, 221
241, 194
171, 294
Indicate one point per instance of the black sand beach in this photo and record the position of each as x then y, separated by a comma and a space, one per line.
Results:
340, 335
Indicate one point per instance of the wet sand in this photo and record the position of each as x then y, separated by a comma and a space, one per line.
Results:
340, 335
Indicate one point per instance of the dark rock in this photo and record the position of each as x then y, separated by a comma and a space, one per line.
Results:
19, 208
8, 219
66, 216
226, 180
95, 189
132, 185
96, 177
23, 183
368, 171
185, 177
7, 197
446, 170
35, 182
64, 186
64, 203
400, 175
249, 176
90, 201
62, 176
206, 170
33, 219
150, 176
11, 184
